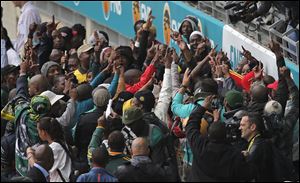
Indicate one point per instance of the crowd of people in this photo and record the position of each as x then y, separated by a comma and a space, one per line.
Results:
75, 108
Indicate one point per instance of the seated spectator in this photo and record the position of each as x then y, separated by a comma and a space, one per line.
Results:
141, 168
100, 158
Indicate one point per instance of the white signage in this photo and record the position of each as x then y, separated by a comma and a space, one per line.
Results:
232, 45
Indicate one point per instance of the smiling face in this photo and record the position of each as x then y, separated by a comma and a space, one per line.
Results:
195, 40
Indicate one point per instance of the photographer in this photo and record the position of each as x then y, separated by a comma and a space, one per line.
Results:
214, 158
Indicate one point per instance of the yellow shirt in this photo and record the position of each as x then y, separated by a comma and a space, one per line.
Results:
80, 77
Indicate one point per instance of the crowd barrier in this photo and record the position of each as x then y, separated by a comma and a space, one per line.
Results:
121, 15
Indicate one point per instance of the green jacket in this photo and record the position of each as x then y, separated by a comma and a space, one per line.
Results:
116, 159
24, 118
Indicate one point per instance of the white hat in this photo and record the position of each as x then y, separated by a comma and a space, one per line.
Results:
51, 96
272, 107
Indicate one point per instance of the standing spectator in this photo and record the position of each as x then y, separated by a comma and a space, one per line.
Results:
141, 168
43, 157
269, 164
116, 144
12, 56
187, 26
29, 15
50, 130
50, 70
84, 53
88, 121
214, 158
73, 62
98, 173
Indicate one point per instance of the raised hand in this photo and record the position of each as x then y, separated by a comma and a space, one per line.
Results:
175, 56
149, 21
168, 58
275, 47
52, 26
186, 77
151, 51
156, 56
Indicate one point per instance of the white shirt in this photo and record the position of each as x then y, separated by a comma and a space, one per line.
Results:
61, 161
4, 60
13, 57
29, 14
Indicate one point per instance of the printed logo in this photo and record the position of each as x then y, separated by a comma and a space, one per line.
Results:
136, 11
106, 9
167, 24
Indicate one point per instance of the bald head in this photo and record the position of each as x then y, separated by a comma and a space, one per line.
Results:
132, 76
140, 146
38, 84
259, 93
44, 156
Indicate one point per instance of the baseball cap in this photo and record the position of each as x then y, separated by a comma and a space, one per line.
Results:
83, 48
234, 99
51, 96
146, 98
132, 114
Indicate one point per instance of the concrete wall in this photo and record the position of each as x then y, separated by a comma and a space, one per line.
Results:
65, 16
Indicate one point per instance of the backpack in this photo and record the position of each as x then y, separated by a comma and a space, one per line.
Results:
167, 143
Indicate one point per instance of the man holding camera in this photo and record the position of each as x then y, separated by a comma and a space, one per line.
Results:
216, 159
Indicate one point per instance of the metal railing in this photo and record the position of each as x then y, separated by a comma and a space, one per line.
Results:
255, 30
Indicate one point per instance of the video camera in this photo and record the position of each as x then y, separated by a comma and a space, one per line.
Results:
240, 10
233, 134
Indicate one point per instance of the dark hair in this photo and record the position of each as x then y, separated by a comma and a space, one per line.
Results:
106, 36
116, 141
81, 31
56, 133
8, 43
53, 128
256, 118
100, 156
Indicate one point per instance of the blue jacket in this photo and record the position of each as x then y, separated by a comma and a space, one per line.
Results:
97, 174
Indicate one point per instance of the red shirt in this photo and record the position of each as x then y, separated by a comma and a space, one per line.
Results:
146, 76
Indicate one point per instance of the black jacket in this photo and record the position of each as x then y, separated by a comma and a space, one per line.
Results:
270, 165
256, 107
85, 129
214, 161
144, 172
36, 175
